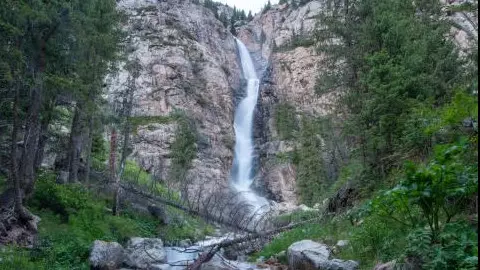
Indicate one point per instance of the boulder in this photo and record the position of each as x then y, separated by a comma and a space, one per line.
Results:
159, 213
106, 255
308, 255
385, 266
342, 243
185, 243
145, 252
343, 199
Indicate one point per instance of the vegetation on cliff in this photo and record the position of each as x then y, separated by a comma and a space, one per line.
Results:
409, 115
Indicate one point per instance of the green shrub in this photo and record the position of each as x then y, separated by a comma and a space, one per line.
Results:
443, 187
72, 218
378, 239
19, 259
457, 248
285, 121
61, 199
183, 149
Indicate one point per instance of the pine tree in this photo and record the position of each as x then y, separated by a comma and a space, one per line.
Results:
249, 16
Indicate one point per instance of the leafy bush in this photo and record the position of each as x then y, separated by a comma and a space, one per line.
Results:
61, 199
444, 185
457, 248
72, 218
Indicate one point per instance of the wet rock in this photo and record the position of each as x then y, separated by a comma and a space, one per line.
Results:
185, 243
144, 252
106, 255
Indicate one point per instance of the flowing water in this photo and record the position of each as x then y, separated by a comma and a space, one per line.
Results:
242, 171
244, 147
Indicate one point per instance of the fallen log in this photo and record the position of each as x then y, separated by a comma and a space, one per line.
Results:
207, 256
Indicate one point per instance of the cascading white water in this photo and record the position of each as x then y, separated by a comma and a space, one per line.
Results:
242, 177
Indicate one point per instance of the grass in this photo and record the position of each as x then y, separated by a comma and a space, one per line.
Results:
326, 232
138, 176
295, 42
182, 226
72, 218
464, 7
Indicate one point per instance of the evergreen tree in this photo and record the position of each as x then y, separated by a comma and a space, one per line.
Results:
53, 52
249, 16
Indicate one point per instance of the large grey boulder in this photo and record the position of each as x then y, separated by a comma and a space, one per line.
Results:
106, 255
308, 255
144, 252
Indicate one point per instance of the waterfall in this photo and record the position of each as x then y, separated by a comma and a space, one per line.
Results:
244, 148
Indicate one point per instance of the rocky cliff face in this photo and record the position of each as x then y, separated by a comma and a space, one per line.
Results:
281, 40
186, 60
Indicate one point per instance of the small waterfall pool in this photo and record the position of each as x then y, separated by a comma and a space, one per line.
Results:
179, 258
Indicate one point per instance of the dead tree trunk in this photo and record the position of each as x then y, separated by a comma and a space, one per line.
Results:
187, 210
113, 170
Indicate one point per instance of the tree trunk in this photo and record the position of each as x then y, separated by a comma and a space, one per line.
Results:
14, 158
127, 111
76, 145
88, 150
113, 173
31, 138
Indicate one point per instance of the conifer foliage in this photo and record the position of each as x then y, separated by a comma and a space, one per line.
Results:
53, 56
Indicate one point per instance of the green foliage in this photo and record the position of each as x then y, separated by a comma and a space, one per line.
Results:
99, 152
284, 240
285, 121
295, 42
431, 195
378, 239
444, 185
457, 248
183, 227
19, 259
267, 7
136, 121
63, 200
183, 149
463, 7
72, 218
311, 177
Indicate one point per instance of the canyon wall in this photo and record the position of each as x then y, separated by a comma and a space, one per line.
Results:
188, 62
